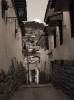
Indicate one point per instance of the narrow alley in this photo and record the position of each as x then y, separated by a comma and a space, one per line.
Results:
42, 92
36, 49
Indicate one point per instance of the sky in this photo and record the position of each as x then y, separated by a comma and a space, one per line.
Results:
36, 10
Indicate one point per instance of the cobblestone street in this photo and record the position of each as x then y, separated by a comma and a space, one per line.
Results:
39, 93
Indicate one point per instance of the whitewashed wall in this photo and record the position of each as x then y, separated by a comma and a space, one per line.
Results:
44, 61
9, 45
66, 50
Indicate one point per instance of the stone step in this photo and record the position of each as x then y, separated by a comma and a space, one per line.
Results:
36, 85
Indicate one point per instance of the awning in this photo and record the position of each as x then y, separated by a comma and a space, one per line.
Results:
20, 7
21, 13
55, 18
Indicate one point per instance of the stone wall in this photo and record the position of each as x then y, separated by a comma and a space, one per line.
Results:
12, 80
62, 75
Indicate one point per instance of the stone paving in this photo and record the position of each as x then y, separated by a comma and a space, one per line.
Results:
40, 92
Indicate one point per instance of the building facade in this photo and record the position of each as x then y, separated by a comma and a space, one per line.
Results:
10, 34
59, 17
44, 56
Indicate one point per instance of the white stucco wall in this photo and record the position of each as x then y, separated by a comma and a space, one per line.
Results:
44, 61
3, 49
9, 46
66, 50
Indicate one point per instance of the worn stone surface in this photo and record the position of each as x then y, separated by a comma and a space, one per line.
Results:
39, 93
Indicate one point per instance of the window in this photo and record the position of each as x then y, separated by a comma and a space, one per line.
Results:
61, 62
61, 33
53, 3
54, 32
71, 6
4, 7
47, 43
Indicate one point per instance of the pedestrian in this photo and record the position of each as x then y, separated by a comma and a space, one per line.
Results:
37, 76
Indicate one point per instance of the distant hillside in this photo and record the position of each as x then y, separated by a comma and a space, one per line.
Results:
34, 25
